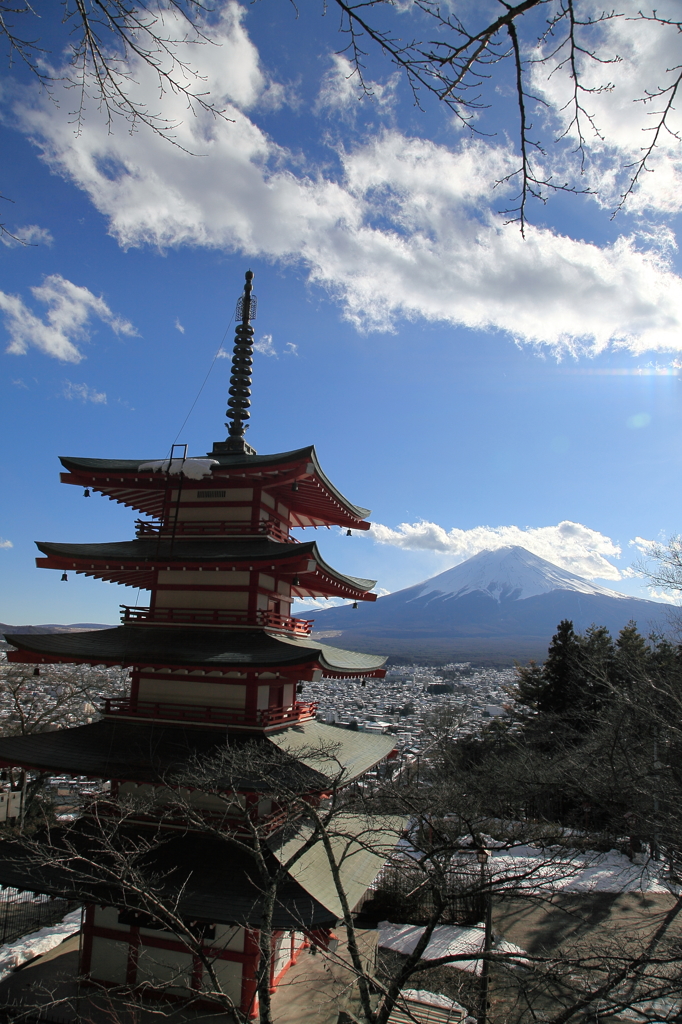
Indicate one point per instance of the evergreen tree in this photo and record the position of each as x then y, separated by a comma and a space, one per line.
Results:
568, 693
562, 672
552, 690
633, 659
597, 663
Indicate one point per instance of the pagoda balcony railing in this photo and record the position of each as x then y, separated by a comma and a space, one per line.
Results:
217, 617
208, 528
201, 714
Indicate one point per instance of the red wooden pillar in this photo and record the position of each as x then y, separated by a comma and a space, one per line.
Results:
249, 986
133, 956
275, 939
256, 503
86, 950
134, 688
197, 972
251, 703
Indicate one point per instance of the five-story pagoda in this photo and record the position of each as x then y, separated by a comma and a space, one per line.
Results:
215, 659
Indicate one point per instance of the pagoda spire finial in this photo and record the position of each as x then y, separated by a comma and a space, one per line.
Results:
242, 366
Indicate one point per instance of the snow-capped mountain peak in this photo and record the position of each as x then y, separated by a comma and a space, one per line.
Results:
509, 573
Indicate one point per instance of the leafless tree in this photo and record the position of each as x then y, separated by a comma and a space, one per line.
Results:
102, 38
445, 816
661, 565
53, 696
467, 50
462, 55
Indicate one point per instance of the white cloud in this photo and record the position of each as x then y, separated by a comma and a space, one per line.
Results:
265, 346
6, 543
30, 234
666, 596
69, 310
649, 60
643, 545
342, 92
569, 545
417, 210
304, 605
178, 325
84, 393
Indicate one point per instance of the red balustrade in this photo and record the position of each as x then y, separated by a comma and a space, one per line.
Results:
300, 711
217, 617
190, 528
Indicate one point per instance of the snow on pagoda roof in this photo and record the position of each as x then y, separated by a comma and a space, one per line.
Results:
132, 482
193, 646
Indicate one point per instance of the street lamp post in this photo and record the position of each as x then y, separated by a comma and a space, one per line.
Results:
482, 857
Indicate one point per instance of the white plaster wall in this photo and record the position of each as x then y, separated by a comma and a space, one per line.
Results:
229, 936
167, 967
190, 691
212, 514
229, 975
282, 954
219, 577
109, 960
228, 599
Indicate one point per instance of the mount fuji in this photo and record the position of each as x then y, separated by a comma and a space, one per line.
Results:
495, 607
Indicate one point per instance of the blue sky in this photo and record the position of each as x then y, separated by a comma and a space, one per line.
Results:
471, 387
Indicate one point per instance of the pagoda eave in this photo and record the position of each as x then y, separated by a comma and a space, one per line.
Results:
223, 890
293, 477
195, 649
135, 563
301, 672
148, 751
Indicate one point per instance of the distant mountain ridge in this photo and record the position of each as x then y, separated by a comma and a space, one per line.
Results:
52, 627
498, 605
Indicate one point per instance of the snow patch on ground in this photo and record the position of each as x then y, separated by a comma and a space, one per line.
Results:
420, 995
530, 870
193, 469
446, 940
39, 942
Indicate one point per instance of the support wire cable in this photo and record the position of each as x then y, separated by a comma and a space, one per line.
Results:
191, 410
210, 369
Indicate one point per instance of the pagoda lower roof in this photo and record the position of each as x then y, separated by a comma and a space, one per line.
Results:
316, 501
146, 753
212, 648
201, 876
129, 561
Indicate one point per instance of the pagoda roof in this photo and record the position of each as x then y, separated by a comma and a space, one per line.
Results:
360, 844
132, 562
203, 877
315, 502
199, 647
150, 753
